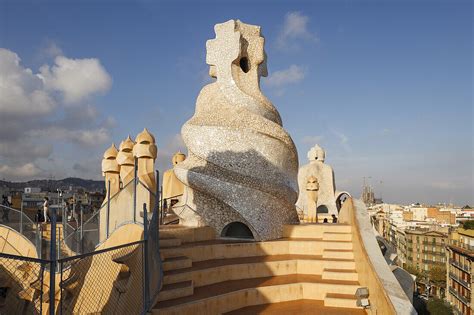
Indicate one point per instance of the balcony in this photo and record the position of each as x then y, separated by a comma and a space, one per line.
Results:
434, 253
430, 261
462, 245
463, 299
465, 268
464, 283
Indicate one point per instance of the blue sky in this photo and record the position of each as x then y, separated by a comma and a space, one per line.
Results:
384, 86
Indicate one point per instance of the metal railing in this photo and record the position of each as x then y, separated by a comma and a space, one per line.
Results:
462, 245
460, 280
464, 267
108, 281
460, 297
20, 222
72, 254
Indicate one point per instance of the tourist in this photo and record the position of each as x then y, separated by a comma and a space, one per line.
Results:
39, 216
6, 209
76, 212
46, 208
334, 219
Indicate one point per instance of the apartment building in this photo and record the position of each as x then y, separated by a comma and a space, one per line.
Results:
460, 271
426, 249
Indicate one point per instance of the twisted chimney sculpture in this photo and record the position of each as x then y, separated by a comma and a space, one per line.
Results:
242, 165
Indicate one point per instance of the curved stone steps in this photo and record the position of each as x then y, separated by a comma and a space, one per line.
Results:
300, 307
176, 290
230, 295
175, 263
219, 270
224, 250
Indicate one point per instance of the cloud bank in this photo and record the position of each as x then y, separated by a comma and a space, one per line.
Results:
50, 105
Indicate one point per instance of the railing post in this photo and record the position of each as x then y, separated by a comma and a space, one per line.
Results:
135, 191
61, 267
52, 268
108, 210
21, 218
162, 215
146, 286
157, 197
82, 231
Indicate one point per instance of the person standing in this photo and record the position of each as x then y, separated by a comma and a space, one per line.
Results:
334, 219
6, 209
46, 208
77, 212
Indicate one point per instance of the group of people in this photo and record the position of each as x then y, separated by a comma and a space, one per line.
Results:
334, 219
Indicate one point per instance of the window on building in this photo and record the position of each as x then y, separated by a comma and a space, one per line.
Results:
434, 240
434, 258
426, 267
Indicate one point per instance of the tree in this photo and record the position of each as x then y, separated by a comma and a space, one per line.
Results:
439, 307
468, 225
412, 269
437, 275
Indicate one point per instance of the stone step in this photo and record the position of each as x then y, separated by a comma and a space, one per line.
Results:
202, 251
338, 254
177, 263
219, 270
231, 295
333, 236
171, 252
314, 230
176, 290
341, 300
169, 242
340, 274
299, 307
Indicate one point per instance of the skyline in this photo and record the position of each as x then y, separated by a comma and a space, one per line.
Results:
385, 89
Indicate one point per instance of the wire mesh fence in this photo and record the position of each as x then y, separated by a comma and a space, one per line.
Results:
20, 222
22, 285
83, 278
104, 282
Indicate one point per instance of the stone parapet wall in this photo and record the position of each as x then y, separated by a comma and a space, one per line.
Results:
385, 293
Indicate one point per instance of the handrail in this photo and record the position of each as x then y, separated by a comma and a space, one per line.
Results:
18, 211
96, 212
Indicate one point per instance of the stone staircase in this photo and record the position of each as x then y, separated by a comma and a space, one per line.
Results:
313, 262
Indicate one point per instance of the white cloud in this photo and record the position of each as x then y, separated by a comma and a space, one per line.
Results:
295, 27
23, 172
22, 92
51, 49
84, 137
36, 118
280, 78
76, 79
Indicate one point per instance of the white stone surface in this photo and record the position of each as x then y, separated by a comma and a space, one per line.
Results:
242, 165
325, 177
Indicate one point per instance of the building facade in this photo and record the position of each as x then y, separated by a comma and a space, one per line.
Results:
426, 249
460, 271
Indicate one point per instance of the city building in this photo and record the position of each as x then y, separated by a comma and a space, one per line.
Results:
460, 271
426, 249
